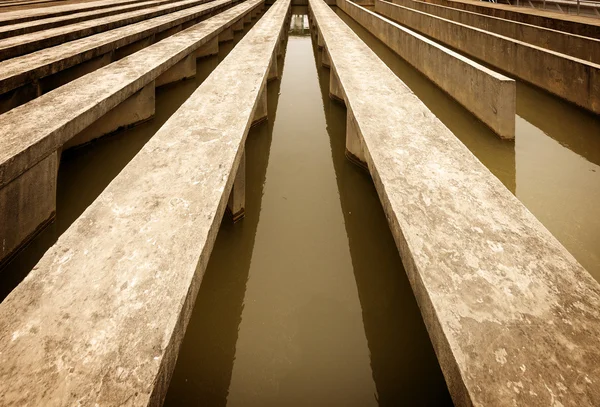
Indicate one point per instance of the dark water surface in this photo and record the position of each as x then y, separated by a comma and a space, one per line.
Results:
305, 302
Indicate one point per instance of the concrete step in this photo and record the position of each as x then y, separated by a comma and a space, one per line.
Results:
489, 95
29, 76
513, 317
577, 46
572, 79
118, 95
133, 262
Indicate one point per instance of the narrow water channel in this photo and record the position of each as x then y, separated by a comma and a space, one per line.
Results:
305, 302
84, 172
553, 166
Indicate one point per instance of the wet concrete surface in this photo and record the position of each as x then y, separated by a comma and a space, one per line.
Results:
553, 166
306, 301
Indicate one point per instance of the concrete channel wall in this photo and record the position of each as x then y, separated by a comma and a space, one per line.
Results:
99, 321
570, 78
490, 96
514, 319
577, 46
584, 26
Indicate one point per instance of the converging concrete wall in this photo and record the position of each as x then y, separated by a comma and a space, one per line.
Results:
490, 96
577, 46
572, 79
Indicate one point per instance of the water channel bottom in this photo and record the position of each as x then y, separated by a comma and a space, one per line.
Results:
305, 302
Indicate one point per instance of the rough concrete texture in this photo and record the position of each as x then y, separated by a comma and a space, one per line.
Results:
577, 46
489, 95
27, 204
99, 320
21, 16
18, 71
514, 319
12, 30
572, 79
589, 27
23, 142
23, 44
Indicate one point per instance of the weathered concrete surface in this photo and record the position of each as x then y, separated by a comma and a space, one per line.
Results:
101, 317
23, 44
579, 25
19, 71
490, 96
514, 319
11, 30
24, 143
572, 79
21, 16
565, 43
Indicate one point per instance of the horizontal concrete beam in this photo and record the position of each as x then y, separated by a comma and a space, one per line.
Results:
12, 30
572, 79
490, 96
514, 319
577, 46
584, 26
108, 93
19, 71
119, 286
23, 44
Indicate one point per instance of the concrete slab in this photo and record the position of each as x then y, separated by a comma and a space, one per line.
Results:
20, 71
585, 26
23, 44
489, 95
133, 262
577, 46
572, 79
12, 30
109, 90
513, 318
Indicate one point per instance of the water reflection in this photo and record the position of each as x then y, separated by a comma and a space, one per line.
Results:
85, 172
553, 165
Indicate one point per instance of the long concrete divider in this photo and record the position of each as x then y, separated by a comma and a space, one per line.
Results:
577, 46
21, 16
23, 44
101, 317
11, 30
588, 27
490, 96
118, 95
572, 79
514, 319
26, 77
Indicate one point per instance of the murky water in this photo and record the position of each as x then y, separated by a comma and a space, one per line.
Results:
306, 301
85, 172
553, 166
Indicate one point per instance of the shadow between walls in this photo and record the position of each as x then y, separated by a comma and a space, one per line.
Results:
204, 366
87, 170
403, 361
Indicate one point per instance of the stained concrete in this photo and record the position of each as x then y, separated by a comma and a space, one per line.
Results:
12, 30
514, 319
133, 262
19, 71
572, 79
21, 16
577, 46
589, 27
24, 142
23, 44
489, 95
